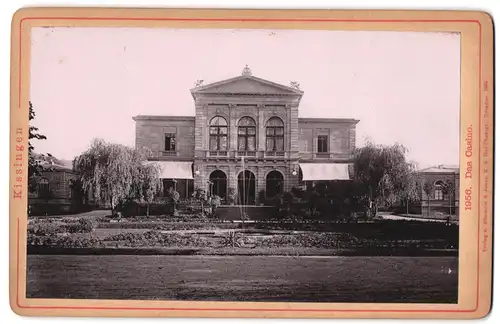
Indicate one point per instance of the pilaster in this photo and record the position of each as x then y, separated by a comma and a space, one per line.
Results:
200, 180
233, 178
261, 128
294, 127
261, 182
352, 138
201, 126
233, 128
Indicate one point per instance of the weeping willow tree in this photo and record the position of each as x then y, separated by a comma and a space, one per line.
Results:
381, 171
148, 184
116, 173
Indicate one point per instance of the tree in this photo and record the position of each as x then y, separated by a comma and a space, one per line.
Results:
379, 171
78, 196
148, 183
448, 189
34, 167
116, 173
201, 196
173, 197
410, 190
427, 187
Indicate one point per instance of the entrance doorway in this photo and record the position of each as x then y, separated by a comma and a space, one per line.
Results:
246, 188
218, 181
274, 184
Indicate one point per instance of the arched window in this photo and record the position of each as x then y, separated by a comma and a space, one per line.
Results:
218, 183
438, 190
275, 141
274, 184
246, 134
218, 134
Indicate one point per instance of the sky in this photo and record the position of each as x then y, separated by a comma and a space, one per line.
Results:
403, 86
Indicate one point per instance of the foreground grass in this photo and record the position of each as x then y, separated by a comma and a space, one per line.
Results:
242, 278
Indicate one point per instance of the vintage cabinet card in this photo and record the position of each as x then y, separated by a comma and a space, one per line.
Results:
251, 163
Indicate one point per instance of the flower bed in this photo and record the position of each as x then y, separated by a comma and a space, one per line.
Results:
159, 226
155, 238
64, 241
233, 239
49, 228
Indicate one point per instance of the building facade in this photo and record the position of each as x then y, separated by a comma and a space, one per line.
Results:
53, 193
443, 190
247, 137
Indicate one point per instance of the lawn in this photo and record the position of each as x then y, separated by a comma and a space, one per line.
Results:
244, 278
307, 261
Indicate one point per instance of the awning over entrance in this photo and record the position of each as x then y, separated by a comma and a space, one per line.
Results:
324, 171
174, 169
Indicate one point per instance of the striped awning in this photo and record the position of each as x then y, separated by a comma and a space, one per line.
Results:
175, 169
324, 171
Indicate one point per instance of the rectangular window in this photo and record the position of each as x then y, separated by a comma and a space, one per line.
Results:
170, 142
322, 144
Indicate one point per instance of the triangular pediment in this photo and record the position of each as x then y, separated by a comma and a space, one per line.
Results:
246, 85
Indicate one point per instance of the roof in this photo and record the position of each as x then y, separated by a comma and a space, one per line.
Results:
64, 165
163, 117
246, 84
441, 169
328, 120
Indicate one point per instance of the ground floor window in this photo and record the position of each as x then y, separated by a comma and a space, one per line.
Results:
184, 187
218, 184
274, 184
246, 188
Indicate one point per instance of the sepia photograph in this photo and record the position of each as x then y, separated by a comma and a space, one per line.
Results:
261, 165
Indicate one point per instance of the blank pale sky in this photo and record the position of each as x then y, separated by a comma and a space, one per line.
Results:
90, 82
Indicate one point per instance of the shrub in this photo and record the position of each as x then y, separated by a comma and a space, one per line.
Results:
64, 241
87, 225
173, 196
84, 225
103, 220
232, 239
156, 238
47, 229
215, 201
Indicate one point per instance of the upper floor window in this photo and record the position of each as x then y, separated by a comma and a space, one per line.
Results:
322, 144
438, 190
246, 134
218, 134
275, 131
170, 142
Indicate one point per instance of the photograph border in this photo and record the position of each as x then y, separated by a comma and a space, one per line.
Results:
475, 26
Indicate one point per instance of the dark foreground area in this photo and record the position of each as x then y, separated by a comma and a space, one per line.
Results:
244, 278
